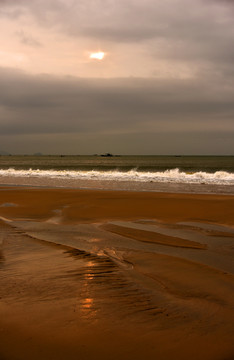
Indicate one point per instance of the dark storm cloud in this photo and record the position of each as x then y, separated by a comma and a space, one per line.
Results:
45, 104
129, 20
196, 35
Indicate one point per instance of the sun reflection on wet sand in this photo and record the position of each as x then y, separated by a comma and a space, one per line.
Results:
89, 274
87, 304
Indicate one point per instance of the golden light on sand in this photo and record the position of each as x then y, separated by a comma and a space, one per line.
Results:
98, 55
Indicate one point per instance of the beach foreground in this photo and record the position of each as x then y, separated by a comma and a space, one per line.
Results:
91, 274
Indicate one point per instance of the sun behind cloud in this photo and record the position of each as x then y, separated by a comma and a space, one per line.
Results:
97, 56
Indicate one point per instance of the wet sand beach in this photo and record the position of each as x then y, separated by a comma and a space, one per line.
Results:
94, 274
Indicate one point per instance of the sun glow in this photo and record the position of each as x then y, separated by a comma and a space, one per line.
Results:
98, 55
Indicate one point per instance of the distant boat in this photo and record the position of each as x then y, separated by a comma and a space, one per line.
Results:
107, 155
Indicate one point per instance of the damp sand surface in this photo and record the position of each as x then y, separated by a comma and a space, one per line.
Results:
88, 274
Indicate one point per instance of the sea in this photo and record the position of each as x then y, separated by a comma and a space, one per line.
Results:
162, 173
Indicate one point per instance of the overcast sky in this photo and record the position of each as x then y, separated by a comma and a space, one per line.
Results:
164, 86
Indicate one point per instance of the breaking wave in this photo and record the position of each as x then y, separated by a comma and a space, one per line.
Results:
172, 175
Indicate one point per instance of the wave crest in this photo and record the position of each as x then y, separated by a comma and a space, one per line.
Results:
172, 175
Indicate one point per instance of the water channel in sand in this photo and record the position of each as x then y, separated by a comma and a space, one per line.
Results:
108, 289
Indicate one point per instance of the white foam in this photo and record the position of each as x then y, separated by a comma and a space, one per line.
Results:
171, 176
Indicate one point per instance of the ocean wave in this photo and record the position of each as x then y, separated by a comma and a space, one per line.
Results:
172, 175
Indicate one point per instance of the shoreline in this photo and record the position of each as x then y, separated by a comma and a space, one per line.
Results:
160, 187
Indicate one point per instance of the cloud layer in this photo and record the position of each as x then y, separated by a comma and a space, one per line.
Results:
167, 78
